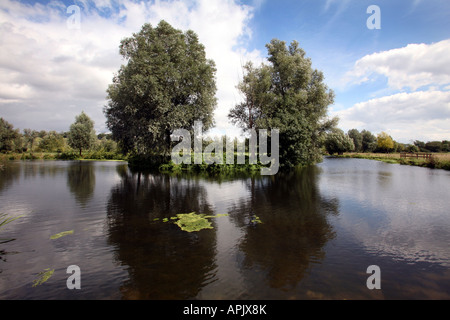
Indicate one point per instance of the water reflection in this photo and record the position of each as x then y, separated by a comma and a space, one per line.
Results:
163, 261
81, 181
295, 228
321, 228
8, 174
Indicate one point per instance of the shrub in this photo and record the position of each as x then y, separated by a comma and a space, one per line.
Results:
432, 162
67, 156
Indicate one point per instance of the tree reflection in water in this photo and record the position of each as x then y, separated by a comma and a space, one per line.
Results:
81, 181
163, 261
294, 231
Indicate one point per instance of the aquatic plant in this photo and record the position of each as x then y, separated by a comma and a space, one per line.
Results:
5, 220
192, 222
43, 276
61, 234
256, 220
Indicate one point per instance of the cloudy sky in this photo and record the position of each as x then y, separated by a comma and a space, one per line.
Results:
58, 57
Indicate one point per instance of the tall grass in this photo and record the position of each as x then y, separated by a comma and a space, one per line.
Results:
4, 220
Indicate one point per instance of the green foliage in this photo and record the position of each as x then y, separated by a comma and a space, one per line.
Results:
29, 138
436, 146
384, 142
357, 138
399, 147
106, 145
256, 220
52, 142
192, 222
369, 141
4, 220
61, 234
167, 84
67, 156
412, 148
43, 276
9, 137
420, 145
82, 134
255, 85
338, 142
288, 94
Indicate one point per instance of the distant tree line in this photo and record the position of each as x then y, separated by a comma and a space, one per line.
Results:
337, 141
81, 137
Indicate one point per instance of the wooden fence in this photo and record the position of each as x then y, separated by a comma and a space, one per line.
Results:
416, 155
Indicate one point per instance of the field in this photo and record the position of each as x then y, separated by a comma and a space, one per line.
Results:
437, 161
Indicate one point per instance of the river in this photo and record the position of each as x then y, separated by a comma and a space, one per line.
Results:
308, 234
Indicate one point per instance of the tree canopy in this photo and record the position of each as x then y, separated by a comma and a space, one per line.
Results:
166, 84
287, 94
8, 136
82, 134
384, 142
369, 141
338, 142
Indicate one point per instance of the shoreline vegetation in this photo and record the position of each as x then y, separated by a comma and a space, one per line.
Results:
88, 156
437, 160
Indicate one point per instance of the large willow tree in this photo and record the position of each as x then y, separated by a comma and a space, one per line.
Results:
166, 84
288, 94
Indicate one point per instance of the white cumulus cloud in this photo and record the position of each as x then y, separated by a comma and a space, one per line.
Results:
51, 72
421, 115
416, 104
410, 67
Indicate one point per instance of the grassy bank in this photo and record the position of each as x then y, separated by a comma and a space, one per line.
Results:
437, 161
91, 155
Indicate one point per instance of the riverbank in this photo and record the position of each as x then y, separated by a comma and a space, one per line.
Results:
94, 155
437, 161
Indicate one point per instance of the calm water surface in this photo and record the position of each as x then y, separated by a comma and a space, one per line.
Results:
321, 228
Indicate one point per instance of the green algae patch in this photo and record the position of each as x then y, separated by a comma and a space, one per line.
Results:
256, 220
219, 215
192, 222
61, 234
43, 276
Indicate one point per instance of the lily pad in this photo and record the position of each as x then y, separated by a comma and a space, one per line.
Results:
192, 222
43, 277
61, 234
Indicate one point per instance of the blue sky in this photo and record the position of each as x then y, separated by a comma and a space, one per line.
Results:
394, 79
334, 34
